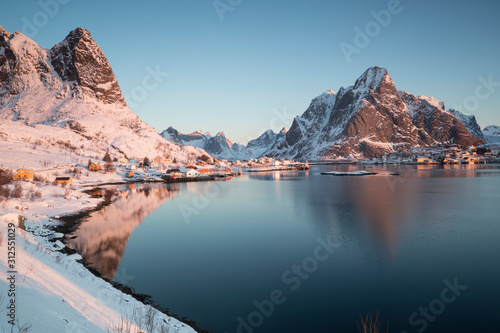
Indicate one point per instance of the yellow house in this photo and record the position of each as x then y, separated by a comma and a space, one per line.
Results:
422, 160
23, 174
64, 180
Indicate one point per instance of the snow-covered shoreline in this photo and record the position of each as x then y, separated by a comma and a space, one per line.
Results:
53, 291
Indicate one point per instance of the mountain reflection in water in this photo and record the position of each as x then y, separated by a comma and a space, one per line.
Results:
101, 239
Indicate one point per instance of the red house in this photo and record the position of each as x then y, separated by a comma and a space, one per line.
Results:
205, 171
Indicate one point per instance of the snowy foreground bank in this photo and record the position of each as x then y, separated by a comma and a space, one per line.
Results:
43, 290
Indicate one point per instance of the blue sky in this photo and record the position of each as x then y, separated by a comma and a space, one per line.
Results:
263, 62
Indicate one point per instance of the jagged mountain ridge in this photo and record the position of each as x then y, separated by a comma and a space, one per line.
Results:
369, 119
469, 122
73, 86
222, 148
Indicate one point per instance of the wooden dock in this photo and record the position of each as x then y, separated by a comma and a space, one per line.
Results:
169, 179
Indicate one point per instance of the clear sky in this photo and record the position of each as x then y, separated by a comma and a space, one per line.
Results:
244, 66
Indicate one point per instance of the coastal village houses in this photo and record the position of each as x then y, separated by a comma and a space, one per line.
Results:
23, 174
192, 173
174, 172
64, 180
94, 166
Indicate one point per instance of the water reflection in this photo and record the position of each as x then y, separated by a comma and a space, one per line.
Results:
384, 210
277, 175
376, 210
101, 239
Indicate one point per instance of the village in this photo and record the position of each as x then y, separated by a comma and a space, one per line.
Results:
158, 169
207, 168
434, 155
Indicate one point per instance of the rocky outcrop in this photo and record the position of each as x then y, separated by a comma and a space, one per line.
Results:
469, 122
78, 58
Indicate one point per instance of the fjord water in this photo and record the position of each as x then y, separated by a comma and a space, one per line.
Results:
421, 247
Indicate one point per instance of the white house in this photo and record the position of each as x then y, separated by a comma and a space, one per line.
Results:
154, 164
192, 173
123, 160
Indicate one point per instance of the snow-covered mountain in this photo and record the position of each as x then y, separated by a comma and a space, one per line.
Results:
469, 122
222, 148
370, 119
492, 134
72, 86
264, 143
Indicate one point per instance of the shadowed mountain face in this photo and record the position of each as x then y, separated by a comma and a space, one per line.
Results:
101, 239
78, 58
370, 119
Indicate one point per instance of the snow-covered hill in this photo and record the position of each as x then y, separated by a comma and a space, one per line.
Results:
370, 119
221, 147
492, 134
72, 86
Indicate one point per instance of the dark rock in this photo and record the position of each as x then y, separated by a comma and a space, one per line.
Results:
78, 58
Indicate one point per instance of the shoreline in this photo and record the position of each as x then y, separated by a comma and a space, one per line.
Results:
41, 249
71, 222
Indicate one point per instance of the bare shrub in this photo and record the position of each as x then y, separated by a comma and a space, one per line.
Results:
18, 191
20, 222
41, 179
370, 323
5, 192
5, 177
34, 195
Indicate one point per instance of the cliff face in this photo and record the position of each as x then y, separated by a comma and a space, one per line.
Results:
78, 58
369, 119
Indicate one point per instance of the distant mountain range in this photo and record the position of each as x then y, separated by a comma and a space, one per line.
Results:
369, 119
222, 148
72, 87
492, 134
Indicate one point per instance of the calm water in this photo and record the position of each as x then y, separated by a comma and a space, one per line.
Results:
252, 254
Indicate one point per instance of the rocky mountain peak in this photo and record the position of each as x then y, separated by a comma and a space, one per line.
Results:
79, 59
370, 119
374, 78
23, 65
4, 35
